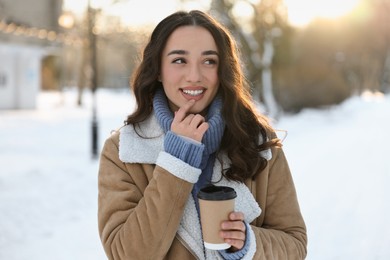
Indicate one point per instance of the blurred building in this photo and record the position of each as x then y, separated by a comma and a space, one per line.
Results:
29, 36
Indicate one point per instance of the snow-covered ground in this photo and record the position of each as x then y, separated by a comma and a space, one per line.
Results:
339, 157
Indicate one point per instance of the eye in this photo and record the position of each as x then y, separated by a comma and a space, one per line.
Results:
179, 61
211, 62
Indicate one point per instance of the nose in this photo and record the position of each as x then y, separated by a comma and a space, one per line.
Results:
194, 73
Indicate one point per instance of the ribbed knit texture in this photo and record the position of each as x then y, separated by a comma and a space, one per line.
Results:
211, 139
186, 151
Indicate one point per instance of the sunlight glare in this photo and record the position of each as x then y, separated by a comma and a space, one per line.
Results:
243, 10
136, 13
141, 13
302, 12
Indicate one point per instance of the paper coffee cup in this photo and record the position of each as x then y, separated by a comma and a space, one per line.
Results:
215, 205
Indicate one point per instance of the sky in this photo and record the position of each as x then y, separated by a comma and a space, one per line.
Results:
48, 181
301, 12
138, 12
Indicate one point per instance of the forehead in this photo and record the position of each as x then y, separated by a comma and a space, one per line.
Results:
190, 38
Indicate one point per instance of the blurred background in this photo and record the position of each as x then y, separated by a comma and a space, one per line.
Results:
297, 54
320, 69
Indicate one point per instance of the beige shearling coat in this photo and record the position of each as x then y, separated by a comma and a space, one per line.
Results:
146, 210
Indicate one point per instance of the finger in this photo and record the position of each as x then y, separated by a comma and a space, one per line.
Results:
196, 121
236, 244
233, 225
182, 112
200, 131
236, 216
235, 222
234, 238
203, 128
188, 119
233, 235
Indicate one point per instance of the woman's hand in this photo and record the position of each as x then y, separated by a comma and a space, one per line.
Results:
192, 126
234, 230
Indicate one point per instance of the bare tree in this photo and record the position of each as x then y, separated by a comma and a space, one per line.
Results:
256, 45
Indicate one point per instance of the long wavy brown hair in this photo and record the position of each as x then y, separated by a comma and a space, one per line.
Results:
247, 132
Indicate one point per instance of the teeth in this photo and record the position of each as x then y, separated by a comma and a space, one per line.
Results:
193, 92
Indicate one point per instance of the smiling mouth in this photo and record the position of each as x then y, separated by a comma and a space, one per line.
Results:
193, 93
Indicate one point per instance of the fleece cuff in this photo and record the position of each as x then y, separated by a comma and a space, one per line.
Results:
178, 168
184, 149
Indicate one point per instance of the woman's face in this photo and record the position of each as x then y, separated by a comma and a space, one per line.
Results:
189, 68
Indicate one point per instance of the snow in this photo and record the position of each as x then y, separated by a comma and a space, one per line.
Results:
339, 158
48, 179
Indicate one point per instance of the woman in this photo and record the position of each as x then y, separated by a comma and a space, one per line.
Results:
195, 124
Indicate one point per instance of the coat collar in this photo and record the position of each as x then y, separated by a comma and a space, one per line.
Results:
141, 144
147, 150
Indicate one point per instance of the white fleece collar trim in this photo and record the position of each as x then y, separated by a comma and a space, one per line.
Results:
136, 149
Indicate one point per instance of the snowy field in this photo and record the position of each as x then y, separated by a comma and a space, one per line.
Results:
339, 157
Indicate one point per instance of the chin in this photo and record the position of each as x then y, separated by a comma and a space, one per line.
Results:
201, 111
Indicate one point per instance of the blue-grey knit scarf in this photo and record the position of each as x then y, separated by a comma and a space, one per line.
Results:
211, 139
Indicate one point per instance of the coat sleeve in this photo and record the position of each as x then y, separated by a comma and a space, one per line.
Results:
280, 231
138, 218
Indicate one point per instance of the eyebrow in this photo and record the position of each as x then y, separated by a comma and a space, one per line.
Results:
183, 52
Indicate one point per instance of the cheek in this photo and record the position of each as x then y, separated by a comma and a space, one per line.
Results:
213, 77
214, 80
169, 73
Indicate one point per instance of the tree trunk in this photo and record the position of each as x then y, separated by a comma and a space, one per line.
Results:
268, 95
385, 84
